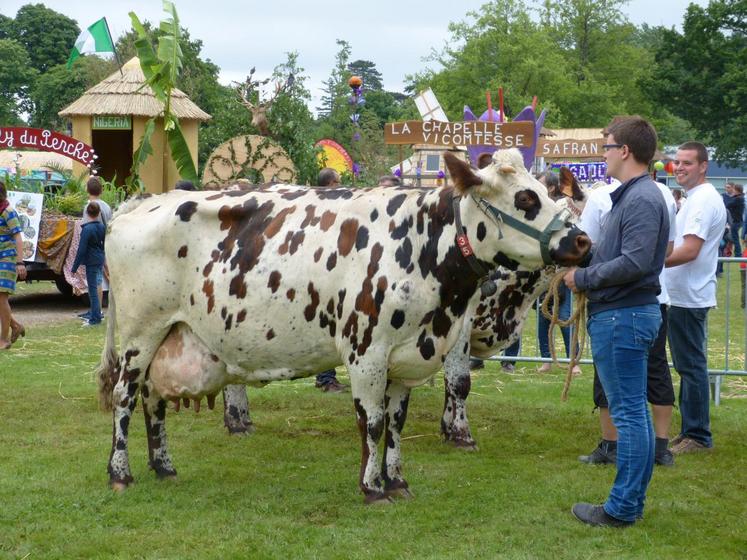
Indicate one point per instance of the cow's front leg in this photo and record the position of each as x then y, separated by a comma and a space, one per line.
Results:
124, 399
368, 387
457, 382
154, 410
396, 401
236, 410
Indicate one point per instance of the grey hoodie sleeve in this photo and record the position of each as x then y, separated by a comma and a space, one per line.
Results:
639, 225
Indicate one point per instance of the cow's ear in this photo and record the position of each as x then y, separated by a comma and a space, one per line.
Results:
484, 160
566, 176
461, 173
569, 185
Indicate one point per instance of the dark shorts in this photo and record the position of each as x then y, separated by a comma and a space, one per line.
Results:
659, 380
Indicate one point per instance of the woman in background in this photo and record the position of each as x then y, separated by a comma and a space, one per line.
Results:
11, 269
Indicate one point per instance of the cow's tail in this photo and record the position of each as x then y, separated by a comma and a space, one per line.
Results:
107, 370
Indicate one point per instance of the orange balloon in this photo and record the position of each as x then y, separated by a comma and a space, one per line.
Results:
669, 167
355, 81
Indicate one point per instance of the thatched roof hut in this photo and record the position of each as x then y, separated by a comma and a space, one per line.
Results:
111, 116
125, 94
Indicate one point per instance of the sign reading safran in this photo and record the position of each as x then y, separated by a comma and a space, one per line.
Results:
112, 122
469, 133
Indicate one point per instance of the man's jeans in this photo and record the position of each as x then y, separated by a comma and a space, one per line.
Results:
687, 332
734, 234
94, 277
620, 341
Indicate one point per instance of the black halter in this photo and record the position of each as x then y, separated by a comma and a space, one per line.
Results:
502, 218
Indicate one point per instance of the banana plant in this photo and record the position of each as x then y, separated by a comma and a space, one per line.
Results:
161, 67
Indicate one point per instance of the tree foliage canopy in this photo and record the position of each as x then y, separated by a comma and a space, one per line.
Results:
47, 36
702, 75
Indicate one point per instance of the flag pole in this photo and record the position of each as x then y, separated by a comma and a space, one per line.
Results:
114, 46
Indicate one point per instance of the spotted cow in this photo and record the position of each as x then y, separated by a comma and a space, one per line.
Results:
494, 324
251, 287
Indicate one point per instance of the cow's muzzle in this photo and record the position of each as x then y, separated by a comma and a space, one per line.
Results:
572, 249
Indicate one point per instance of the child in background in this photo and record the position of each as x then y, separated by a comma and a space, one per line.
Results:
91, 255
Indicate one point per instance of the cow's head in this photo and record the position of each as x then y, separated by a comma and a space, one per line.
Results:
508, 214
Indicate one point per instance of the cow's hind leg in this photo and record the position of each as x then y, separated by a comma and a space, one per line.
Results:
368, 389
124, 399
396, 401
154, 411
457, 382
236, 410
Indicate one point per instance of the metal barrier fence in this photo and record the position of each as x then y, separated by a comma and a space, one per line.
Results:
726, 321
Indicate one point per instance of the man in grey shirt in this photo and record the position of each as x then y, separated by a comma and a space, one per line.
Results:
621, 284
94, 195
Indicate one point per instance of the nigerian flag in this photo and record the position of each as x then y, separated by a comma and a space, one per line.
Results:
95, 39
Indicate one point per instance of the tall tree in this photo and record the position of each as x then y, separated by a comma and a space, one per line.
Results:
335, 87
16, 79
47, 36
290, 120
58, 87
702, 73
368, 73
563, 57
6, 27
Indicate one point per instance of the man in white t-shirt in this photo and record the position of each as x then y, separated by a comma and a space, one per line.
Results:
660, 392
691, 281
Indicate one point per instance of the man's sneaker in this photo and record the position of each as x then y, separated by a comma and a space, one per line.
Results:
601, 455
688, 445
597, 517
664, 458
90, 324
476, 363
332, 386
675, 441
84, 315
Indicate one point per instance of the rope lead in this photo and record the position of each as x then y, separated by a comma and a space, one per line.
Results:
577, 320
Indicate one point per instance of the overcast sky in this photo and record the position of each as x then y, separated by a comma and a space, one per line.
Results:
239, 34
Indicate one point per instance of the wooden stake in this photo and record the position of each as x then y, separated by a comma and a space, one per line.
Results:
500, 99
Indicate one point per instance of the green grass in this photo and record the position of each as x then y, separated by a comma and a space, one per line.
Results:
290, 490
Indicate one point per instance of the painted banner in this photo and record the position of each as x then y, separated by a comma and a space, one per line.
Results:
574, 149
333, 155
585, 172
467, 133
46, 140
29, 209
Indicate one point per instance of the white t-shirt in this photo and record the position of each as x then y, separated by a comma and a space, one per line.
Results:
599, 204
663, 297
693, 284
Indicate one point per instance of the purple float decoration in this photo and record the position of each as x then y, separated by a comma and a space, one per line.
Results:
527, 114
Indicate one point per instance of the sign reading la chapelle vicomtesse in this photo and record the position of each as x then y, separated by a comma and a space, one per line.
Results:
518, 134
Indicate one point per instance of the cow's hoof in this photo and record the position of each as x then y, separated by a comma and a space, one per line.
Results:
377, 499
400, 492
118, 487
165, 475
465, 445
247, 430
